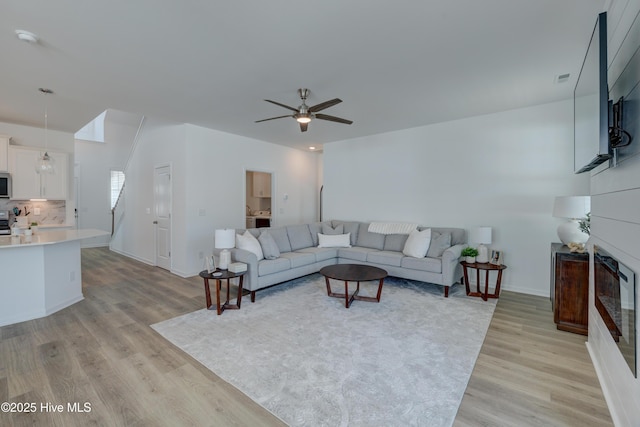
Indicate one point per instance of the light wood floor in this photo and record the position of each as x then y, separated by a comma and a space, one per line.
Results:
102, 351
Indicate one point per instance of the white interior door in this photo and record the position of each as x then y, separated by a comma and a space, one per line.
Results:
162, 209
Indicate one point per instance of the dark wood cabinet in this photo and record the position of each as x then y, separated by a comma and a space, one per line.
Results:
570, 289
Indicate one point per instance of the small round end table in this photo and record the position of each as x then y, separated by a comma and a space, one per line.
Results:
224, 274
487, 267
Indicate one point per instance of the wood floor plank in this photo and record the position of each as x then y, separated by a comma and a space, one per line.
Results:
530, 374
103, 351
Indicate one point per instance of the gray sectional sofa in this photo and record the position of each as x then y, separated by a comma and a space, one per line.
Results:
299, 254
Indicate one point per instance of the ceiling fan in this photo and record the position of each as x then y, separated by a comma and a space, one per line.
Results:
304, 114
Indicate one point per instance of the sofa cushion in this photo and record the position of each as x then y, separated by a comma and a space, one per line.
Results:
355, 253
328, 229
385, 257
248, 242
270, 266
395, 242
433, 265
458, 235
321, 254
269, 246
334, 240
367, 239
298, 259
314, 229
440, 242
349, 227
282, 239
417, 243
299, 236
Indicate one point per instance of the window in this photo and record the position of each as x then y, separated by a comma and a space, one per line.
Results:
94, 130
117, 182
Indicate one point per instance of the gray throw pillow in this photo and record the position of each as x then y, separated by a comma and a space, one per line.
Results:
269, 246
327, 229
439, 244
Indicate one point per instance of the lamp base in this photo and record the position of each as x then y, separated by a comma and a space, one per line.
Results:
225, 259
569, 232
483, 254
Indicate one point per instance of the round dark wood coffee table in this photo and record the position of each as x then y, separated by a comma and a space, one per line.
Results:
353, 273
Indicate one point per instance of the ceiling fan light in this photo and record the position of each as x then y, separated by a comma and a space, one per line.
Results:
303, 119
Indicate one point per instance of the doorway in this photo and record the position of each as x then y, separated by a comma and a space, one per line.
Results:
162, 211
258, 207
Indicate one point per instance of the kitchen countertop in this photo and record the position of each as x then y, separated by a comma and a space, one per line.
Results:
49, 237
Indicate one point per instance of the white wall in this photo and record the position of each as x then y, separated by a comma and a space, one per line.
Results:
615, 224
208, 189
216, 186
159, 143
94, 163
500, 170
56, 141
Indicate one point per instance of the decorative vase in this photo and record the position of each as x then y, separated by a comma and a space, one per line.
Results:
470, 259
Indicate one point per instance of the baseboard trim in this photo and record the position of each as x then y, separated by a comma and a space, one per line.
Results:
129, 255
608, 396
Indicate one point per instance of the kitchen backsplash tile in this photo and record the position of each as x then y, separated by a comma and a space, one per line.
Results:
52, 212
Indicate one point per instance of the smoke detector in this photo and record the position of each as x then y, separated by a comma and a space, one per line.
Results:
26, 36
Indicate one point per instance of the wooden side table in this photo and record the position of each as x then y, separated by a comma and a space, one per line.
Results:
487, 267
225, 274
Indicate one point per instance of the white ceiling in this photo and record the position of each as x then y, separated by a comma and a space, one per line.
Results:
395, 65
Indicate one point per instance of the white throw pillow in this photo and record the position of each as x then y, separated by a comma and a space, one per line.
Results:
334, 240
248, 242
417, 243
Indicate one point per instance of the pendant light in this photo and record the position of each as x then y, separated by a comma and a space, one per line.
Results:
45, 165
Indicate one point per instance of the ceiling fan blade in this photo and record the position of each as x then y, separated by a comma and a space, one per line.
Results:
333, 119
325, 104
303, 127
273, 118
282, 105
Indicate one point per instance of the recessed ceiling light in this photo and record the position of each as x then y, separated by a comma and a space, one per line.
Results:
312, 148
26, 36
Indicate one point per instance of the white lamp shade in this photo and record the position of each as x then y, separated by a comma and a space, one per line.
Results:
572, 206
481, 235
225, 239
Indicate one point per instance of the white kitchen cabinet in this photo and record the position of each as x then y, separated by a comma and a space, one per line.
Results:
28, 184
4, 153
261, 184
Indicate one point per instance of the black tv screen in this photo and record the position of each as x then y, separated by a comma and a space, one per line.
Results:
591, 104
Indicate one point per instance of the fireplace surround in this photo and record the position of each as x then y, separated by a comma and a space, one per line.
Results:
615, 300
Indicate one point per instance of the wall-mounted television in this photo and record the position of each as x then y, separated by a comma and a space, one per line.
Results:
591, 104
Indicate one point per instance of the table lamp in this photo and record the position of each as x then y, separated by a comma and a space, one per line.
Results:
482, 235
225, 239
574, 208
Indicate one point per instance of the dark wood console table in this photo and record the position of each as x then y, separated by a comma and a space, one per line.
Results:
570, 289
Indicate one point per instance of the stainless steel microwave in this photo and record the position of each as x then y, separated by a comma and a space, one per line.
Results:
5, 185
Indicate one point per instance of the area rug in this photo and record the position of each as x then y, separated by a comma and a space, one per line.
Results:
404, 361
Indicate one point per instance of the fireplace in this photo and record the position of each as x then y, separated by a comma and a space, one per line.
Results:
615, 298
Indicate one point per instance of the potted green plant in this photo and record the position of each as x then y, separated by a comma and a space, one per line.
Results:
34, 227
470, 254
